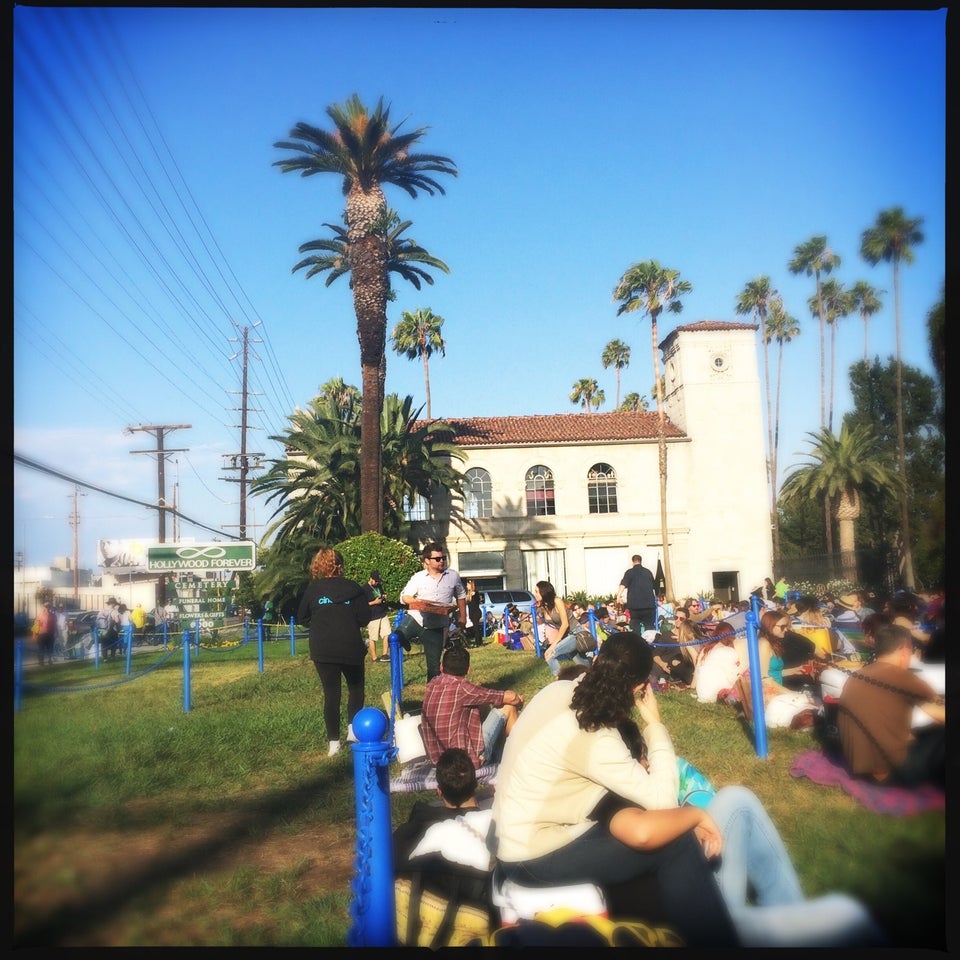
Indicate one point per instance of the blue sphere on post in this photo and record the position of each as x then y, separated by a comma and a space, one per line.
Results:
370, 725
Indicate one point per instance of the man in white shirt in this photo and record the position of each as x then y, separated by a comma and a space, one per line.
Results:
430, 595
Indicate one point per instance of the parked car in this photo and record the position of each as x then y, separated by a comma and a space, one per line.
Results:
496, 601
79, 624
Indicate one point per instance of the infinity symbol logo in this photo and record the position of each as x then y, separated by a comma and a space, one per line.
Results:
192, 553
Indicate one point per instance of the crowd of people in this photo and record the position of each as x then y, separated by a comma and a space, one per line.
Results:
585, 794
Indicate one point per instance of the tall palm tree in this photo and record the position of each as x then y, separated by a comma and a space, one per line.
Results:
418, 335
892, 239
866, 301
782, 328
316, 483
634, 403
367, 152
587, 393
755, 299
616, 354
650, 289
838, 469
340, 394
837, 303
814, 258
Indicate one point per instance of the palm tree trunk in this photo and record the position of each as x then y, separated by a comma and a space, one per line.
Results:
828, 519
908, 579
775, 458
833, 359
662, 459
771, 477
823, 386
426, 383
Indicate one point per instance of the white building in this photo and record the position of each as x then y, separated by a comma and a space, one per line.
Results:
570, 498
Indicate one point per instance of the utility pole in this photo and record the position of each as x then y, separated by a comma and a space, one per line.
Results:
161, 453
242, 461
75, 523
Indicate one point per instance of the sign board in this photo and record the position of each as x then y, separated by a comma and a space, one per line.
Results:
202, 557
123, 556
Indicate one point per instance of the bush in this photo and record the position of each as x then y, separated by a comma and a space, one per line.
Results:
395, 560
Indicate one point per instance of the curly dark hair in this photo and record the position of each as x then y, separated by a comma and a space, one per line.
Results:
604, 695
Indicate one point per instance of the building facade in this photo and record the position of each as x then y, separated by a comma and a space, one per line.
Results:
570, 498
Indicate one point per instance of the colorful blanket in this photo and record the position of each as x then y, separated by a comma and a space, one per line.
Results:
421, 774
897, 801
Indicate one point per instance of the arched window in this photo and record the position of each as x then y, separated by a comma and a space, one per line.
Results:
539, 491
602, 488
416, 509
478, 493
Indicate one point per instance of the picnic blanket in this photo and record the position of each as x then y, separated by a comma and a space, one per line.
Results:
897, 801
421, 774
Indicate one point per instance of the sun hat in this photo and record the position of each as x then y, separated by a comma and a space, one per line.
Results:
848, 600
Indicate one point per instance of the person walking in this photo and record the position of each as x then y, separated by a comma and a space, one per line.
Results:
379, 626
139, 617
638, 595
45, 630
335, 609
431, 595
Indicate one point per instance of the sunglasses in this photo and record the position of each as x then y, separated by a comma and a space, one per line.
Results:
439, 559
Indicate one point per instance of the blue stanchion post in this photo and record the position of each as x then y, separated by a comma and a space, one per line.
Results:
96, 647
186, 671
483, 617
373, 908
293, 640
196, 628
260, 645
536, 629
756, 680
128, 645
396, 671
17, 675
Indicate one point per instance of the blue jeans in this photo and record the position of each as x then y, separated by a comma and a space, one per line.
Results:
494, 723
754, 857
565, 649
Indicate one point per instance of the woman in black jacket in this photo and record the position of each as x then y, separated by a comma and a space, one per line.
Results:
335, 609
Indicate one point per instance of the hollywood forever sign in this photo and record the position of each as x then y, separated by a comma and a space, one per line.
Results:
201, 557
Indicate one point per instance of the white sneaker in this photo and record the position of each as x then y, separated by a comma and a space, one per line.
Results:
334, 748
350, 736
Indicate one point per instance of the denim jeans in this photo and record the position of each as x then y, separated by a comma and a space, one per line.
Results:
754, 858
494, 724
689, 894
565, 649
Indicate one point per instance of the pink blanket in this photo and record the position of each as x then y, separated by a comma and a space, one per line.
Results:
898, 801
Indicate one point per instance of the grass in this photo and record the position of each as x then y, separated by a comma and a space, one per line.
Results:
102, 762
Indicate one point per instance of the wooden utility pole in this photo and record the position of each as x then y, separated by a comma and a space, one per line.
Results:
161, 453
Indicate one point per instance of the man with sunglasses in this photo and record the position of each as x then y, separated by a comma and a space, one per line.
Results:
430, 595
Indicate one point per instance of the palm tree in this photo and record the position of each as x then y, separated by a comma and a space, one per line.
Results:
587, 393
367, 152
650, 288
892, 239
634, 403
418, 335
866, 301
814, 257
837, 303
838, 469
316, 483
616, 354
782, 328
755, 299
340, 394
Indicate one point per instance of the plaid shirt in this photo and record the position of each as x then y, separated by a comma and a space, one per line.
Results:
451, 718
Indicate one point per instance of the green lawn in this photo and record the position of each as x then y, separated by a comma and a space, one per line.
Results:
95, 752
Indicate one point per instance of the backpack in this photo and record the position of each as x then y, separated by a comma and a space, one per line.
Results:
452, 915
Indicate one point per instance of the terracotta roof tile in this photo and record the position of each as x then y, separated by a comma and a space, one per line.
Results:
557, 428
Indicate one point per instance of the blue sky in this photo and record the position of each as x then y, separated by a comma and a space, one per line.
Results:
151, 229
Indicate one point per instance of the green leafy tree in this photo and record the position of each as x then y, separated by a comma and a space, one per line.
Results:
783, 328
874, 403
866, 301
839, 467
648, 288
419, 335
814, 258
892, 239
367, 152
616, 354
634, 403
587, 393
755, 300
936, 333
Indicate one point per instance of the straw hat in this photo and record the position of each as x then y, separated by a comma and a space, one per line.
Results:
849, 601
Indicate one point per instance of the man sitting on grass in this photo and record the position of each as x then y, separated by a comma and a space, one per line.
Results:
458, 713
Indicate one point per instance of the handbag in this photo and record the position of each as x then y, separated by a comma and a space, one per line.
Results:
586, 642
